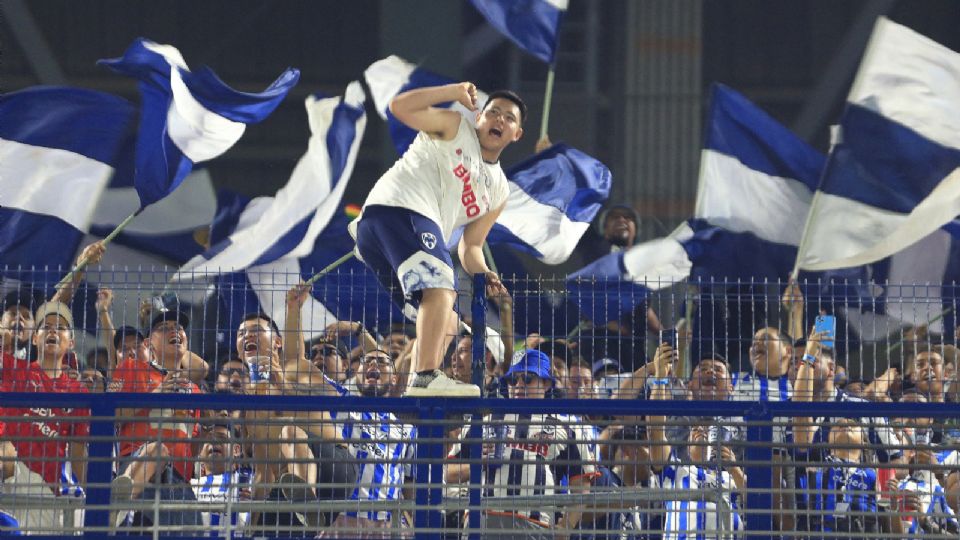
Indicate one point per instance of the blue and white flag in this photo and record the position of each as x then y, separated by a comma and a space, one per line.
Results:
286, 226
349, 293
392, 76
892, 177
756, 183
553, 196
59, 147
534, 25
164, 229
186, 117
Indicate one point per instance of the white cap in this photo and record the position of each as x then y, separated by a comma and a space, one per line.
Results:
54, 308
494, 344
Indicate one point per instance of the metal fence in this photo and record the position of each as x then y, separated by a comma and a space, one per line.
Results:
209, 425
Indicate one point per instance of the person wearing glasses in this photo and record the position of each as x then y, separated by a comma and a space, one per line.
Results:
528, 455
370, 450
331, 358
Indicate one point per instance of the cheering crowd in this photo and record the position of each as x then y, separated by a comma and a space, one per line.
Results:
346, 473
857, 476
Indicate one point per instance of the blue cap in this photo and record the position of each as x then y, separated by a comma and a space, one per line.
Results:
532, 361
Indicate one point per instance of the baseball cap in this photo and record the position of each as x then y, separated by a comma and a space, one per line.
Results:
494, 344
604, 363
628, 210
123, 332
54, 308
170, 315
532, 361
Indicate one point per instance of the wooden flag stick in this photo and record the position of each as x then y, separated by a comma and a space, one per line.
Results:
330, 267
83, 263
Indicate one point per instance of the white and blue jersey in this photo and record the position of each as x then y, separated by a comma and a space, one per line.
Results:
383, 449
753, 387
700, 519
880, 435
834, 491
222, 489
933, 502
532, 454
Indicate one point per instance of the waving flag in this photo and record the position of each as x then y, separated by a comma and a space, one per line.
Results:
392, 76
553, 196
350, 293
287, 225
533, 25
892, 177
186, 117
164, 229
59, 148
756, 183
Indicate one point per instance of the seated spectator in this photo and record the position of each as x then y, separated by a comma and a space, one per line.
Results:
156, 455
94, 380
700, 517
530, 456
377, 442
607, 373
233, 377
580, 381
49, 443
222, 480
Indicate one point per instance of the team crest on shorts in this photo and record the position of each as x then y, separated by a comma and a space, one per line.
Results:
429, 240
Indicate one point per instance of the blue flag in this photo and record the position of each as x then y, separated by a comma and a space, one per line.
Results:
534, 25
59, 147
287, 224
186, 117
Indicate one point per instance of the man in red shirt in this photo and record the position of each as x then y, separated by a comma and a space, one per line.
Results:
49, 441
149, 444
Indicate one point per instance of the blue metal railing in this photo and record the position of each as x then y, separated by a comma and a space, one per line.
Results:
430, 436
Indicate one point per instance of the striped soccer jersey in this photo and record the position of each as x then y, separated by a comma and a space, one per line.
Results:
532, 454
698, 520
753, 387
836, 489
933, 502
222, 489
383, 449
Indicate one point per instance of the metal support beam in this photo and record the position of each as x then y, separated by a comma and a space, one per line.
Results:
31, 40
836, 78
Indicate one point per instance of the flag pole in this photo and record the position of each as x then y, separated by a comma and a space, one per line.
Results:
330, 267
896, 346
836, 137
83, 263
547, 99
489, 256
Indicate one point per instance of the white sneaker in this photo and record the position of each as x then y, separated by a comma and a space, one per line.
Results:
121, 490
438, 384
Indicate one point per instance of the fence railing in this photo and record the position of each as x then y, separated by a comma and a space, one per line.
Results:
740, 439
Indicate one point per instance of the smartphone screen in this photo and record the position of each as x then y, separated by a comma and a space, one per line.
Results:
827, 324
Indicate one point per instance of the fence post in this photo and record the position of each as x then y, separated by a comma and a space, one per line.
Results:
759, 457
478, 311
99, 465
